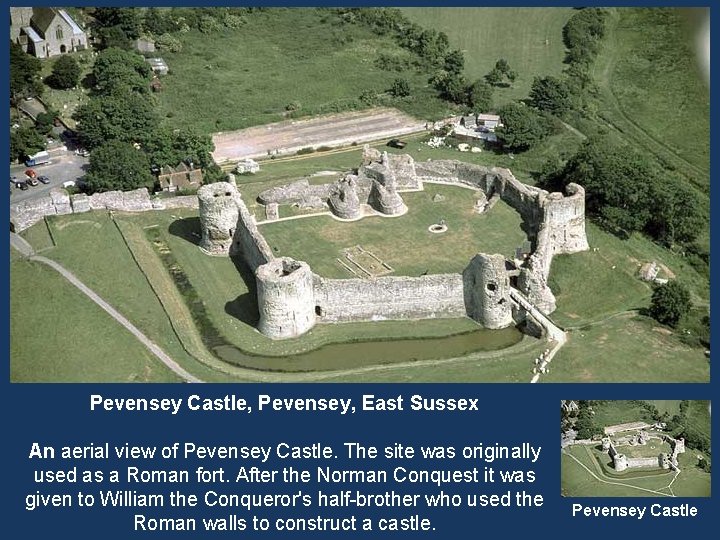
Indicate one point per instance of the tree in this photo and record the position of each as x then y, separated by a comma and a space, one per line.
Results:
24, 74
550, 94
400, 88
499, 73
679, 213
479, 96
126, 117
44, 122
65, 73
522, 127
118, 70
169, 147
670, 303
451, 87
584, 425
494, 78
609, 172
126, 19
168, 42
25, 141
156, 23
118, 165
454, 62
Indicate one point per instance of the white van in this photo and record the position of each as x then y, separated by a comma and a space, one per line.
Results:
38, 159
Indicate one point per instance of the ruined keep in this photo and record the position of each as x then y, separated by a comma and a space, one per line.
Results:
292, 299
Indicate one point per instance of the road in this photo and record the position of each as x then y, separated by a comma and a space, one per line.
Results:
331, 130
64, 166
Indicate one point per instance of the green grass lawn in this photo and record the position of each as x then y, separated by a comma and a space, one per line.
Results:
653, 73
250, 76
404, 242
619, 411
670, 406
628, 349
577, 481
57, 334
607, 274
530, 39
91, 247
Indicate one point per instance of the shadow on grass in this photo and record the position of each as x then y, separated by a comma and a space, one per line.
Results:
244, 307
186, 228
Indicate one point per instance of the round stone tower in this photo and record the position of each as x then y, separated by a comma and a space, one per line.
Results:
218, 205
286, 300
620, 462
487, 291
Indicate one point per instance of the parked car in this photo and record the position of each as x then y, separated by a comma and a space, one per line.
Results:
13, 179
32, 181
396, 143
82, 152
44, 179
30, 173
21, 185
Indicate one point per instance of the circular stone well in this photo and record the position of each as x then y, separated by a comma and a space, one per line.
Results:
437, 228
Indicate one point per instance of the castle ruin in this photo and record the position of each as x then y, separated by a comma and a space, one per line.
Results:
292, 298
622, 462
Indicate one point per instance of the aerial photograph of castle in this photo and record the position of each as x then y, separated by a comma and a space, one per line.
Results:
246, 194
655, 448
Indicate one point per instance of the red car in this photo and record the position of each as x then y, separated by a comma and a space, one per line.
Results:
30, 173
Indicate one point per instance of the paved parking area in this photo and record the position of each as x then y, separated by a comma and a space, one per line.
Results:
64, 166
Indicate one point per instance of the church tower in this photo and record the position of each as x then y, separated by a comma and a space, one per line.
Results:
19, 17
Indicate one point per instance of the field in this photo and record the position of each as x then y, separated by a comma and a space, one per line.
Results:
56, 344
608, 413
587, 471
652, 90
583, 476
405, 242
530, 39
285, 59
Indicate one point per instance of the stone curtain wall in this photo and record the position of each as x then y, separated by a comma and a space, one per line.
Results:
249, 241
58, 202
643, 462
425, 297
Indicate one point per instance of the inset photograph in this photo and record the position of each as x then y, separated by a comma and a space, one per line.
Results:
635, 448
